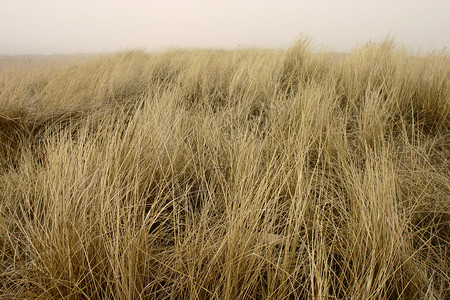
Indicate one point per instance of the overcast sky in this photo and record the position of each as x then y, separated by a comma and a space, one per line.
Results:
91, 26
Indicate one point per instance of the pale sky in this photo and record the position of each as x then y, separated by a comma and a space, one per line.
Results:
92, 26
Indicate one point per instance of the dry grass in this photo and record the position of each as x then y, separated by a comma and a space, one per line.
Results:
247, 174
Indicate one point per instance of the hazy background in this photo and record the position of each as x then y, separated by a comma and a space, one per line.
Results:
82, 26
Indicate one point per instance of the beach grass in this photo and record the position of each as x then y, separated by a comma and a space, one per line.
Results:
227, 174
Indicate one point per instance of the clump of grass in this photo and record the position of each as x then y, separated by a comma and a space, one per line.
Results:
227, 174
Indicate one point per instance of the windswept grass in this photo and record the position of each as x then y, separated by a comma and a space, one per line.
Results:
247, 174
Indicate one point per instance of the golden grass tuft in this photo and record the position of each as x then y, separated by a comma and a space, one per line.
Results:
201, 174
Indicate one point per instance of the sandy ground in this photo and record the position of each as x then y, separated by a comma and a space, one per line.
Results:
36, 61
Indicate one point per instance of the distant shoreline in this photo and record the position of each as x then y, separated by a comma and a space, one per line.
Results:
26, 61
39, 60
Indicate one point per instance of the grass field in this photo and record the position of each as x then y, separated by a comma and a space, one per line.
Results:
216, 174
